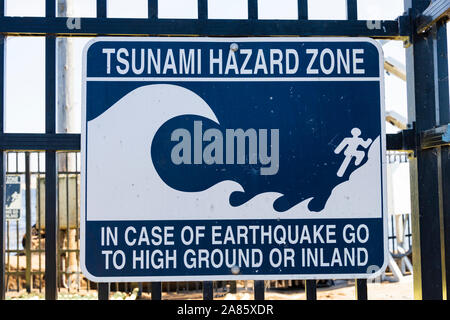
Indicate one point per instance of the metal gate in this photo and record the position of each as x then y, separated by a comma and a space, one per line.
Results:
422, 29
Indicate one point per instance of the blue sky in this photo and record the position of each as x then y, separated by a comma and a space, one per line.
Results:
26, 62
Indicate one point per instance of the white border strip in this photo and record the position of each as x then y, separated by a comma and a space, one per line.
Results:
229, 79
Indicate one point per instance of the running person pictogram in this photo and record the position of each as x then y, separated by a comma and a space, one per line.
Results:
351, 144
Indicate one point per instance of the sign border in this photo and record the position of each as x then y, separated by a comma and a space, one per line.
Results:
83, 174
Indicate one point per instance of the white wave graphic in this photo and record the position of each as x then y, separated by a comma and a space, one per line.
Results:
129, 188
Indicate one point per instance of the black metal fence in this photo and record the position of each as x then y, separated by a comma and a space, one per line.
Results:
422, 28
25, 234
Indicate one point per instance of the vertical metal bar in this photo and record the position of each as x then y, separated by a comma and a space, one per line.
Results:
259, 288
208, 290
445, 165
233, 287
393, 233
101, 9
17, 230
140, 290
444, 118
424, 168
28, 222
2, 223
361, 289
77, 221
38, 220
156, 291
51, 174
152, 9
2, 160
408, 219
50, 8
252, 9
8, 258
202, 9
68, 253
103, 290
302, 9
51, 227
352, 10
442, 72
311, 290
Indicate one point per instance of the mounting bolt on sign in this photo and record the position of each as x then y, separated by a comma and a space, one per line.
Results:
224, 159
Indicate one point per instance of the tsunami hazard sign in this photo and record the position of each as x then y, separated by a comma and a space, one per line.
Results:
221, 158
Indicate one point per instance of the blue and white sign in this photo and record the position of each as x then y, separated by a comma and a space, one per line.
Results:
246, 158
13, 197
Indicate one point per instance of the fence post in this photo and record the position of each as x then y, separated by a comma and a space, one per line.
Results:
425, 169
152, 9
2, 160
51, 174
28, 281
156, 291
444, 118
208, 290
361, 289
202, 14
258, 288
311, 290
252, 9
101, 8
302, 6
352, 10
2, 222
103, 290
360, 284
